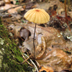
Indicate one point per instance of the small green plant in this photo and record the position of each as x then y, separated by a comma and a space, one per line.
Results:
17, 2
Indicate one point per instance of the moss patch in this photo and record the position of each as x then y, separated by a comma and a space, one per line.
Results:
11, 57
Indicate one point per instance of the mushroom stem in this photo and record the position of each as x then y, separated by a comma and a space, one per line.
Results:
33, 40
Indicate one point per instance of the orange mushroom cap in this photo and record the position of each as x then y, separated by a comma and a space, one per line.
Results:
38, 16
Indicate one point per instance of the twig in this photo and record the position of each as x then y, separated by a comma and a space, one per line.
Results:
66, 15
32, 63
25, 59
0, 20
68, 4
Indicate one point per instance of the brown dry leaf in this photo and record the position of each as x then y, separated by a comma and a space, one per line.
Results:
34, 6
40, 49
60, 12
28, 6
12, 11
46, 69
49, 52
68, 46
11, 28
57, 59
6, 21
2, 3
28, 45
7, 6
31, 5
52, 36
15, 10
48, 47
20, 1
58, 3
17, 31
70, 14
18, 17
24, 6
48, 32
24, 33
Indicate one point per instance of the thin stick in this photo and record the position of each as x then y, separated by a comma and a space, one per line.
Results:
32, 63
26, 59
65, 9
68, 4
66, 15
1, 20
33, 40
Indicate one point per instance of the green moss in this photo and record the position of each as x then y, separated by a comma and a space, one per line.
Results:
12, 58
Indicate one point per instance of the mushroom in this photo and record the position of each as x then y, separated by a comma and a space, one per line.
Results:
37, 16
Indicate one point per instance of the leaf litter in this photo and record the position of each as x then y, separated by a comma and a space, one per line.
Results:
52, 40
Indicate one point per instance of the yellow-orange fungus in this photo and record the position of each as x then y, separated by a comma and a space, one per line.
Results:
38, 16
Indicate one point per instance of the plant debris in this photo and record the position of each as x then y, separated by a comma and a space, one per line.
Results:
48, 48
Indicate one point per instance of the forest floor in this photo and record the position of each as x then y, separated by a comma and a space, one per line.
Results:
53, 40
